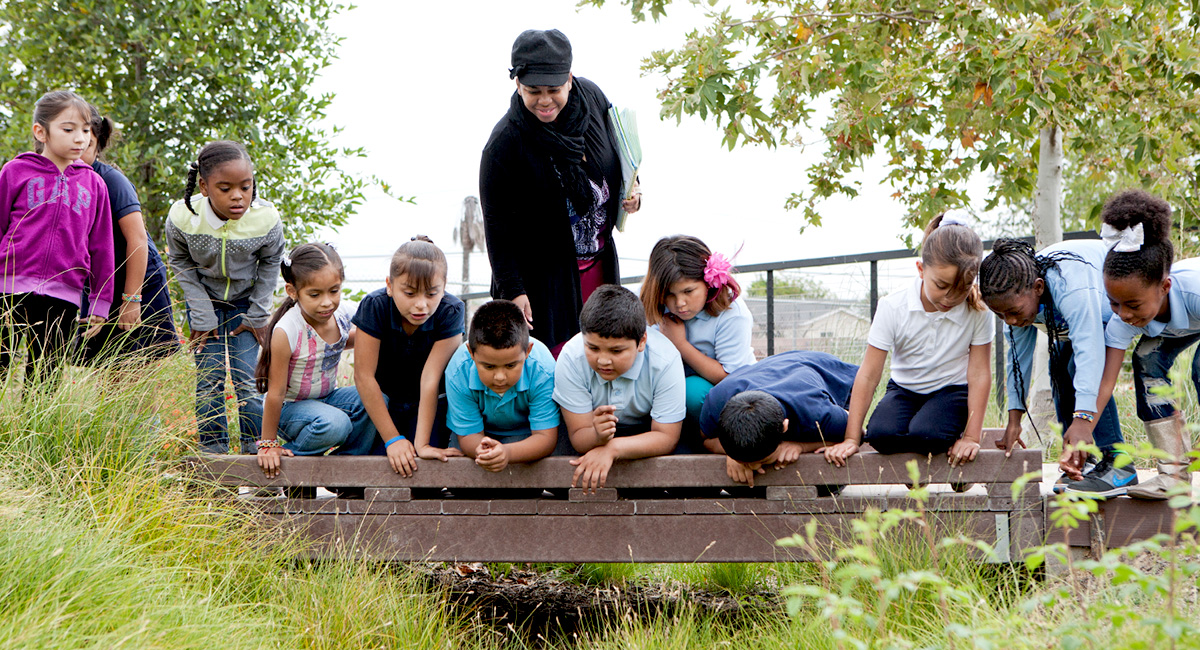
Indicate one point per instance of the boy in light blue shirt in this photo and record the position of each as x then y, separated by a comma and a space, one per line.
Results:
621, 388
499, 389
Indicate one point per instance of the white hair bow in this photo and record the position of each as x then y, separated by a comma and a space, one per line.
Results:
953, 219
1123, 241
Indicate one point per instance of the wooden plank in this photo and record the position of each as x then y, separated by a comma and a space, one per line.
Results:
641, 538
1124, 521
795, 493
990, 466
601, 494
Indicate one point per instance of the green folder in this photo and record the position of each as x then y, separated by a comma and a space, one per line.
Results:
629, 150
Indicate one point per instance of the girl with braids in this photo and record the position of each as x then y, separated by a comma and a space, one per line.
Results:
1161, 302
224, 247
940, 334
1060, 291
145, 323
304, 412
691, 296
55, 237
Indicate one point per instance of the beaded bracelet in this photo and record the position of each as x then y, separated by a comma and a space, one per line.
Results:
268, 444
1084, 415
131, 297
393, 440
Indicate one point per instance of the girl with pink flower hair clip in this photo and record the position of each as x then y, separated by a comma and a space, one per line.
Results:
690, 295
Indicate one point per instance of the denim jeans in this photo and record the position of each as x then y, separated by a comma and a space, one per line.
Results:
1107, 432
1153, 357
210, 381
921, 423
314, 426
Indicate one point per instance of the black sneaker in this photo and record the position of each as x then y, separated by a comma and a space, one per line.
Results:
1105, 479
1064, 480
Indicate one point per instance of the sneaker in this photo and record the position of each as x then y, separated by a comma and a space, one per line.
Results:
1064, 480
1105, 479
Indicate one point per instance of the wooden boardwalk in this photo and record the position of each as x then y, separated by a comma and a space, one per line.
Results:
666, 509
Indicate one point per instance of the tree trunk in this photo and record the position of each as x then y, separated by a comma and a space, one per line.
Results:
1047, 201
1047, 230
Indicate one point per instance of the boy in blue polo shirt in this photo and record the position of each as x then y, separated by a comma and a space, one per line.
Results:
769, 413
500, 390
621, 388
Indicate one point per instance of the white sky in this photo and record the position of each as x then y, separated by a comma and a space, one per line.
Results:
421, 84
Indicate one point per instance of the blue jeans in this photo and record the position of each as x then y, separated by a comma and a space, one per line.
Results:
210, 381
1107, 432
339, 420
1153, 357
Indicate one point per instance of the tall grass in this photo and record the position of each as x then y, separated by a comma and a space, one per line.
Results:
103, 544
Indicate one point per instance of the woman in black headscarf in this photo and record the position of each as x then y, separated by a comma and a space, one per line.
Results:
550, 185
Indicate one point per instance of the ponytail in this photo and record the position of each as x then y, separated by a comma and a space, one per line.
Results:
1148, 253
949, 241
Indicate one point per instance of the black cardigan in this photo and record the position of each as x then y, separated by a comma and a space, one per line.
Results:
529, 239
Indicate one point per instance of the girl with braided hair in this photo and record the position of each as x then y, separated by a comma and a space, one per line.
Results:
225, 245
1059, 290
1161, 302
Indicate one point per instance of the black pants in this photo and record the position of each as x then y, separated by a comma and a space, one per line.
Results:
48, 325
905, 421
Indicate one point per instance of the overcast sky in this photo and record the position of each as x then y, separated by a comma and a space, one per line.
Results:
421, 84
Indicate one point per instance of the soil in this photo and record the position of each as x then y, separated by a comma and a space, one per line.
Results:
545, 606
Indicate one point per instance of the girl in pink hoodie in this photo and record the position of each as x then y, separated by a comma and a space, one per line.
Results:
55, 233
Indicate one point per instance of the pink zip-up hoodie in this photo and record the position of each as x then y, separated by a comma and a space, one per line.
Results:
55, 232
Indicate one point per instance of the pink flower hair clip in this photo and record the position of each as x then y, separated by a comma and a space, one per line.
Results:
716, 271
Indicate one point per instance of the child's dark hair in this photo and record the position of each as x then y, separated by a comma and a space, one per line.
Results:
213, 155
103, 129
52, 104
1012, 268
955, 245
682, 257
423, 263
297, 268
499, 324
751, 426
613, 312
1152, 262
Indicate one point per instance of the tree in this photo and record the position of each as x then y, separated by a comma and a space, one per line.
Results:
945, 90
177, 73
791, 286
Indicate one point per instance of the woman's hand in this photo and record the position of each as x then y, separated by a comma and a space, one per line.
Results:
634, 202
522, 301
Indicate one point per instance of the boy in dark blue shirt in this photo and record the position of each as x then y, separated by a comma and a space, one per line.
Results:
771, 412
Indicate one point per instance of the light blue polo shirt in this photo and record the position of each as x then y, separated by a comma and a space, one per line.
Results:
653, 386
1184, 297
1081, 307
724, 337
475, 408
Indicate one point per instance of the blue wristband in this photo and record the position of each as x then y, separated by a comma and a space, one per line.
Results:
389, 442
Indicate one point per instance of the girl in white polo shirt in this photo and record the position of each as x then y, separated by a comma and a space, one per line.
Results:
940, 335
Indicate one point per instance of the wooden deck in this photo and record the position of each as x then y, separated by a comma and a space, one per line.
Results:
666, 509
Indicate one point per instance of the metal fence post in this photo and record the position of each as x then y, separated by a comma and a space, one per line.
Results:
874, 287
770, 312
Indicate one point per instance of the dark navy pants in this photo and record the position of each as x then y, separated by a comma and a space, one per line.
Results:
907, 421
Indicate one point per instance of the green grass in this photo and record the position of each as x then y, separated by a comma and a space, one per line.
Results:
102, 544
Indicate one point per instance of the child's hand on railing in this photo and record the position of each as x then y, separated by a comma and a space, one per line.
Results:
964, 451
740, 472
429, 452
491, 455
591, 469
837, 454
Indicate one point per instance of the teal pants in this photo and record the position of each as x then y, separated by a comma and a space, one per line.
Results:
697, 388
